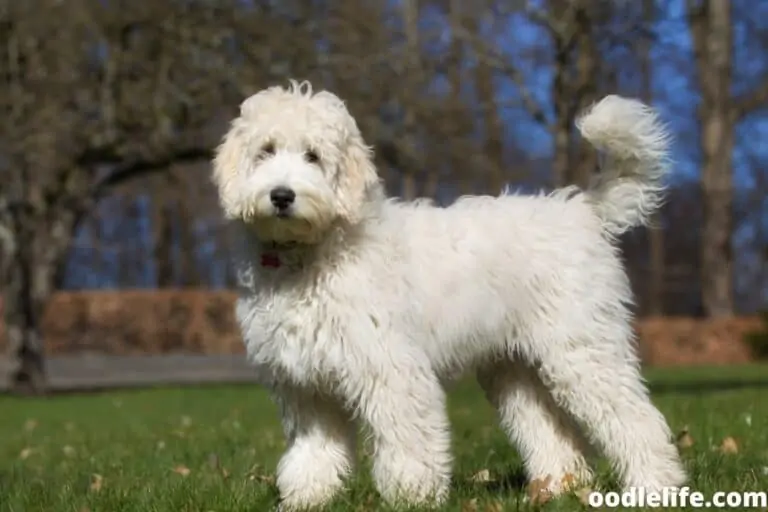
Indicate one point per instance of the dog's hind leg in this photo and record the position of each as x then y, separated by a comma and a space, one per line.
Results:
598, 381
321, 448
551, 443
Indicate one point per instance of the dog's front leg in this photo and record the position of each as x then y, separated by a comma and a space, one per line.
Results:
404, 404
321, 448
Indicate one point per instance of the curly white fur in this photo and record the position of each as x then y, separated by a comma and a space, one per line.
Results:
355, 307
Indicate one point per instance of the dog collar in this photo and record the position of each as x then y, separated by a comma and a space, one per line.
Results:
270, 258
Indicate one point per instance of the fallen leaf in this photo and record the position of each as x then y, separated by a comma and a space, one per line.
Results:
494, 506
30, 425
268, 479
568, 481
538, 490
257, 472
469, 506
583, 495
96, 482
25, 453
729, 445
68, 451
224, 473
482, 476
765, 470
181, 470
684, 439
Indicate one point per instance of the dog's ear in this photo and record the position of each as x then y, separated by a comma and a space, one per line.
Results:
226, 161
357, 181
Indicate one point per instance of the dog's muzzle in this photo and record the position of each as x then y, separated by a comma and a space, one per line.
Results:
282, 198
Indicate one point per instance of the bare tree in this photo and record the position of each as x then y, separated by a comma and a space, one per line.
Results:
571, 26
491, 126
459, 124
412, 75
656, 232
711, 25
117, 77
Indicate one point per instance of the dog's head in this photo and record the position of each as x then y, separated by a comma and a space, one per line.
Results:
293, 164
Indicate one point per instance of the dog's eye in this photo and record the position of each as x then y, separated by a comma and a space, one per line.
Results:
312, 156
268, 149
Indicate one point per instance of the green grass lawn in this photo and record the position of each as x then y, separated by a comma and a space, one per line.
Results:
215, 448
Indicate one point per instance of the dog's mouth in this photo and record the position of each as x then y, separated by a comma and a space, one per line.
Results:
279, 214
285, 213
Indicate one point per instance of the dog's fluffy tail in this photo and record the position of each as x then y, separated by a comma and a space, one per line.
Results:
635, 150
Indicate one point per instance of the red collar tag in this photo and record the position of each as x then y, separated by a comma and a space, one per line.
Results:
270, 259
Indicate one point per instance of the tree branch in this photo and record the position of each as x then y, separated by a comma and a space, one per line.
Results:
492, 58
543, 19
745, 103
122, 173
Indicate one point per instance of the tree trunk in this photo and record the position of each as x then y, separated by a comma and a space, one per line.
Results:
25, 347
41, 240
493, 148
710, 24
461, 172
717, 257
188, 272
20, 314
561, 131
656, 291
573, 89
584, 91
413, 68
162, 238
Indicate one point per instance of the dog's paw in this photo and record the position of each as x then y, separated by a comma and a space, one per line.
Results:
545, 488
299, 504
310, 497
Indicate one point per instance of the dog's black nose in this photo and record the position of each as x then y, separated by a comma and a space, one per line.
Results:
282, 197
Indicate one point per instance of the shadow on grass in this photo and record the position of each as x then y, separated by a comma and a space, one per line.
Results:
706, 385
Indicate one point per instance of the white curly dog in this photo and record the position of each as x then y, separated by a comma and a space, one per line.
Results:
356, 307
